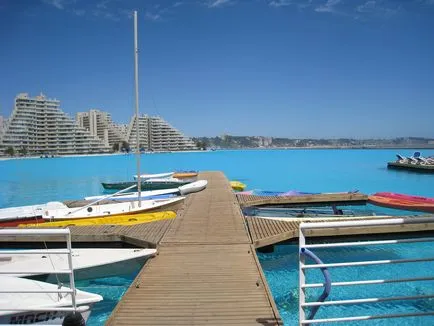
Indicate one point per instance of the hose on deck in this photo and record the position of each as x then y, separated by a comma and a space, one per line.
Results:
327, 280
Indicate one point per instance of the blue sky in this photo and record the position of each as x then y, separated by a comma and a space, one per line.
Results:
283, 68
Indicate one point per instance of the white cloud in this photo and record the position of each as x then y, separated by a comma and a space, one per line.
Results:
79, 12
218, 3
368, 6
177, 4
329, 6
59, 4
152, 17
280, 3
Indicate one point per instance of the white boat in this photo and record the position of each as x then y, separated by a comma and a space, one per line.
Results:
154, 176
182, 190
21, 212
125, 208
35, 306
88, 263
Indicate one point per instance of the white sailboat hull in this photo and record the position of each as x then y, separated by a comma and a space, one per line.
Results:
154, 176
88, 263
21, 212
183, 190
108, 209
25, 304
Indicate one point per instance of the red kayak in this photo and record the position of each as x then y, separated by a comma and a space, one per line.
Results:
399, 203
405, 197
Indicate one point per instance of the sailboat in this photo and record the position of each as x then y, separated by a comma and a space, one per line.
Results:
153, 194
39, 303
88, 263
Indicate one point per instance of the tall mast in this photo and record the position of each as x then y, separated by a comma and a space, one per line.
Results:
136, 80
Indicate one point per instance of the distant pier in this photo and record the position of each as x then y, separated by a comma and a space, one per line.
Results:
421, 168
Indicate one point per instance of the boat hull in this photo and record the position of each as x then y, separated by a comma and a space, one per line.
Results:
108, 210
130, 219
41, 317
402, 204
107, 270
14, 223
88, 264
144, 185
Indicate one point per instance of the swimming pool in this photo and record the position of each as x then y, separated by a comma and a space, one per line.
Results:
281, 270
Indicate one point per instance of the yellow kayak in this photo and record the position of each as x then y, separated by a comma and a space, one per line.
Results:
238, 186
112, 220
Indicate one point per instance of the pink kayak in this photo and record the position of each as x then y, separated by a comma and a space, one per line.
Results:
393, 195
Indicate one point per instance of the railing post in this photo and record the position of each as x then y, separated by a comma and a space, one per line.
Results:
301, 277
71, 270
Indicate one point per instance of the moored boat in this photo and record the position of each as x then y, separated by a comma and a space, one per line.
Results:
237, 185
30, 211
123, 208
130, 219
150, 184
155, 176
185, 174
88, 263
38, 303
405, 197
182, 190
401, 203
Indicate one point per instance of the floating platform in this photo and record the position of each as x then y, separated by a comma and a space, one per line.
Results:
421, 168
351, 198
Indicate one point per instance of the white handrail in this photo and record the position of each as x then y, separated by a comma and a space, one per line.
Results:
66, 234
303, 231
367, 243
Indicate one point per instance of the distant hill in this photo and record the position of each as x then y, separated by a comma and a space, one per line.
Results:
233, 142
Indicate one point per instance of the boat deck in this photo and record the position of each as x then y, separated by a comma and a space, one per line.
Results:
206, 272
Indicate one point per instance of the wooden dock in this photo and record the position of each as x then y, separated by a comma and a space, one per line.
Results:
269, 231
347, 198
206, 271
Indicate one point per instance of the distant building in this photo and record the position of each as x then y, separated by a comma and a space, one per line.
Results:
2, 125
100, 124
38, 126
155, 134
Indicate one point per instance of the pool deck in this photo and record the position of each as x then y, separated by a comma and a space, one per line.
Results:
206, 271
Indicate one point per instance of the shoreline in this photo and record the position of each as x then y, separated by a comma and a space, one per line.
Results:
225, 149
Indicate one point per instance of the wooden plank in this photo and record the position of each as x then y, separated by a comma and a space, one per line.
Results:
342, 198
206, 271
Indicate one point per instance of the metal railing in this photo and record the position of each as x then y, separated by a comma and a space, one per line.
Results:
66, 234
307, 228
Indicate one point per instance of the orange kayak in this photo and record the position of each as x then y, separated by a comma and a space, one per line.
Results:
400, 203
184, 175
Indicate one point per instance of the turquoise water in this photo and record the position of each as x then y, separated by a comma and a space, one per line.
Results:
112, 289
34, 181
281, 271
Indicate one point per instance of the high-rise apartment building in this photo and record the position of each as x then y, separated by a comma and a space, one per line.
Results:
100, 124
38, 126
155, 134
